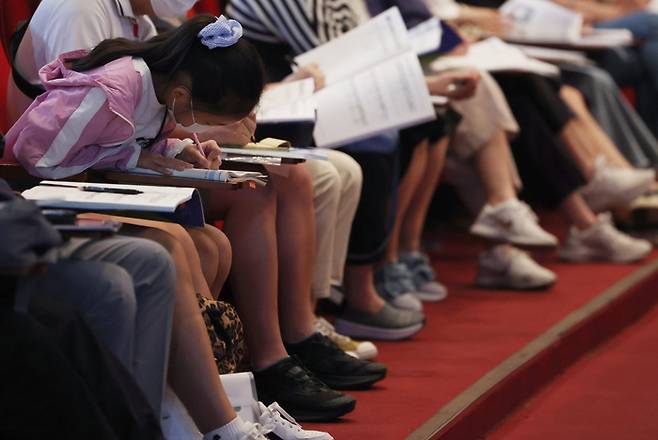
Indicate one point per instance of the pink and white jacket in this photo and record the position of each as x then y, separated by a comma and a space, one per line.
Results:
83, 120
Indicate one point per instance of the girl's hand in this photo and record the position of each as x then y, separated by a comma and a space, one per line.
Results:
193, 156
310, 71
161, 164
238, 133
455, 84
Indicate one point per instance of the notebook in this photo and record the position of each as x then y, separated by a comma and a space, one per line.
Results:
369, 91
226, 176
177, 204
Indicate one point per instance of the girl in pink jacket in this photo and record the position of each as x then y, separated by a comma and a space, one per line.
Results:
113, 107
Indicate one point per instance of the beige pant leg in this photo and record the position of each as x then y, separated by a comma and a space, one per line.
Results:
336, 188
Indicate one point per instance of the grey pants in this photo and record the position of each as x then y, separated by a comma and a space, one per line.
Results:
124, 289
617, 118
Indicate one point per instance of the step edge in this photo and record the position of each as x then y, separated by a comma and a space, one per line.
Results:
441, 423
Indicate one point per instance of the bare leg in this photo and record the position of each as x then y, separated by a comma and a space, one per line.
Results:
249, 222
215, 254
360, 293
494, 171
600, 141
407, 189
577, 211
295, 226
192, 370
182, 237
412, 226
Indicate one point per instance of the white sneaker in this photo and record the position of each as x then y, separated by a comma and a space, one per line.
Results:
511, 221
616, 186
275, 420
239, 429
506, 267
603, 242
364, 350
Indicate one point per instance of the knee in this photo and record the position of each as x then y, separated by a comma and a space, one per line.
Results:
298, 184
221, 244
351, 176
326, 181
113, 291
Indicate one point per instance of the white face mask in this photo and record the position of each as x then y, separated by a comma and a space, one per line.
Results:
194, 127
171, 8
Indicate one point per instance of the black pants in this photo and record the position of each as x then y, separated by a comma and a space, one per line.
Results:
548, 172
375, 214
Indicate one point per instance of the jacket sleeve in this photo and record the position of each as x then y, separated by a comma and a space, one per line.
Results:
66, 132
170, 147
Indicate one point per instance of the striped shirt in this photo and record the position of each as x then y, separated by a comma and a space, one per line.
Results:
301, 24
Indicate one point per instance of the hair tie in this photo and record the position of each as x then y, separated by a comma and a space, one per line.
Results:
222, 33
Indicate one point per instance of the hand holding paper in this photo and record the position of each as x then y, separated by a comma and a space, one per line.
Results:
455, 84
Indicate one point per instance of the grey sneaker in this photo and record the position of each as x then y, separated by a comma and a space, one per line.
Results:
395, 284
427, 287
389, 323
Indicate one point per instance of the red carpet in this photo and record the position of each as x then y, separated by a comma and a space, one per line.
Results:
612, 393
466, 336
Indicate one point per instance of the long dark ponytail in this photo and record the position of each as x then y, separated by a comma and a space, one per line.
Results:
225, 81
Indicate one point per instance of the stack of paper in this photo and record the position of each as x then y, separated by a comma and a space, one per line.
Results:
225, 176
542, 21
70, 195
494, 55
368, 91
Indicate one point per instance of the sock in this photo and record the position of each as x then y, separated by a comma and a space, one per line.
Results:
228, 431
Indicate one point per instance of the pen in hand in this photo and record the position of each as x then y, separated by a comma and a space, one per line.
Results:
198, 145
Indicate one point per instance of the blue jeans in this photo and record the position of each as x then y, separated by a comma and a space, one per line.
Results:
636, 66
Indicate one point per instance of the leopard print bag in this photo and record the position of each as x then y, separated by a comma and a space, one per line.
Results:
225, 332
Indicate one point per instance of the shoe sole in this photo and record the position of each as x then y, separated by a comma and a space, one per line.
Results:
586, 257
493, 235
362, 331
322, 416
623, 198
430, 297
493, 284
343, 383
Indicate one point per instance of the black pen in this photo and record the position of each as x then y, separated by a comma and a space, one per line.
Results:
98, 189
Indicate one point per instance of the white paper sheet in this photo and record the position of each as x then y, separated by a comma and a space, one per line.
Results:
226, 176
288, 102
152, 199
494, 55
554, 55
391, 95
426, 37
381, 38
542, 20
380, 87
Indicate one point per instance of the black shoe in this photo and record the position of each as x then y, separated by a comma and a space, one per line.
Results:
300, 393
333, 366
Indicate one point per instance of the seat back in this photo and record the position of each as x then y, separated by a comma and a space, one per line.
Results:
11, 14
